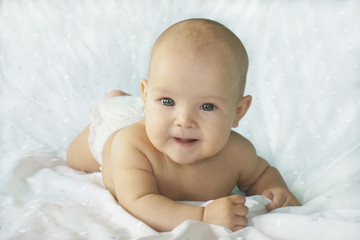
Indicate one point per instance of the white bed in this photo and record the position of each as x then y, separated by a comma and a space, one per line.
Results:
59, 58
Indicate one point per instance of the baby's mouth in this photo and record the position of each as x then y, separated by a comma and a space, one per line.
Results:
185, 141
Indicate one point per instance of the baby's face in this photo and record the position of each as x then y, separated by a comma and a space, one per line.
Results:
190, 104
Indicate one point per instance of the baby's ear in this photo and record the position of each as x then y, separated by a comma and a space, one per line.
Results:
241, 109
144, 87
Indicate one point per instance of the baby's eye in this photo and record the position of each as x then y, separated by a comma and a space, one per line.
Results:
208, 107
167, 102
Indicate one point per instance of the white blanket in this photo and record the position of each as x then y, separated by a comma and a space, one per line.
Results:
59, 58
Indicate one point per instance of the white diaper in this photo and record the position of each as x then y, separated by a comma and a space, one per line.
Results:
110, 116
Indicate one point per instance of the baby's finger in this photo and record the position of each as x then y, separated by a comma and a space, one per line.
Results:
241, 210
241, 222
237, 228
238, 199
269, 194
277, 202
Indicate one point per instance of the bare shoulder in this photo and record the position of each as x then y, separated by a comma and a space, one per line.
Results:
251, 166
125, 154
125, 149
245, 158
131, 133
135, 127
241, 147
130, 140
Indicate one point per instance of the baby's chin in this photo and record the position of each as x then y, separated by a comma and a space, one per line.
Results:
187, 159
183, 158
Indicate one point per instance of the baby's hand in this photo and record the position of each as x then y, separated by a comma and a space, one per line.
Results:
281, 197
227, 211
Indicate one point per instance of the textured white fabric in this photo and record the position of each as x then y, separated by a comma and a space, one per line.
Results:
58, 59
110, 116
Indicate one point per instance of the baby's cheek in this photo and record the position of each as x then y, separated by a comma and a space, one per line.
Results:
217, 139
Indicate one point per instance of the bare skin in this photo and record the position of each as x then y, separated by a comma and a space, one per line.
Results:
78, 153
184, 149
226, 210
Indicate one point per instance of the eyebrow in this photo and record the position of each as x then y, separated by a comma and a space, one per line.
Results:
161, 90
216, 98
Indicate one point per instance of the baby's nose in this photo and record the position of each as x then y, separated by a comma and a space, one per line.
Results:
185, 120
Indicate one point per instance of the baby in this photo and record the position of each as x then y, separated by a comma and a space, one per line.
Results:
184, 148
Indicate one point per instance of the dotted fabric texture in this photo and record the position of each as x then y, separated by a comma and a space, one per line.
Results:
58, 59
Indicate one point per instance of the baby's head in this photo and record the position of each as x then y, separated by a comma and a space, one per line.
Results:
194, 92
203, 38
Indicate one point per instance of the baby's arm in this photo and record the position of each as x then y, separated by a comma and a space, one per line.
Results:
272, 185
263, 179
137, 191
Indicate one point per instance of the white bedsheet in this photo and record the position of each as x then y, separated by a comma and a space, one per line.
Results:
59, 58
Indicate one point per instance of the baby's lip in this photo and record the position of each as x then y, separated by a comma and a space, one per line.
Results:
186, 141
